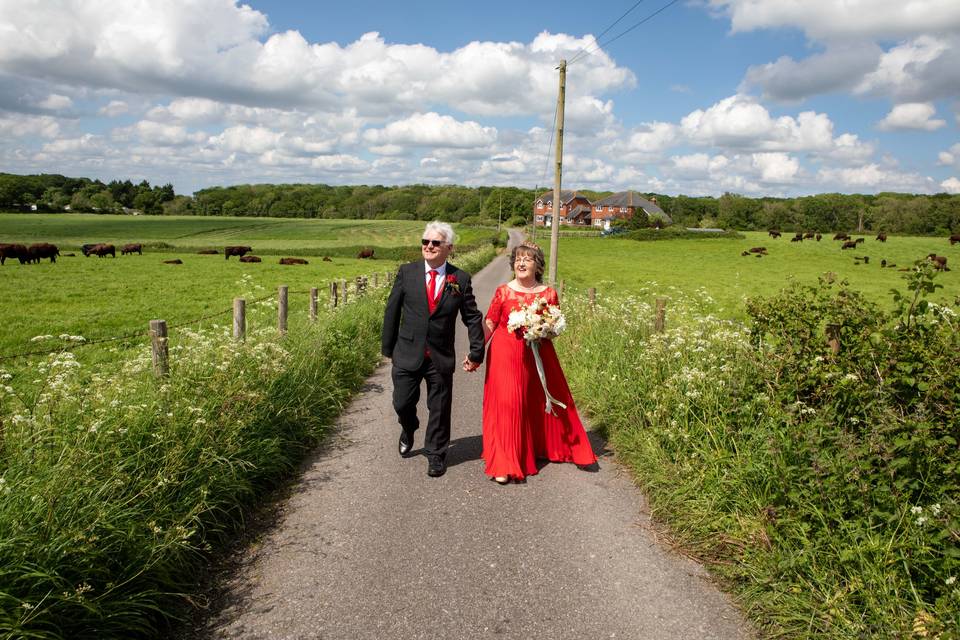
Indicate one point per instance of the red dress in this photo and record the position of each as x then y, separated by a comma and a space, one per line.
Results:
516, 429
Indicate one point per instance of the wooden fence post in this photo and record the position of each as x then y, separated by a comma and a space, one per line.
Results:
333, 294
343, 291
833, 337
282, 309
239, 319
313, 304
658, 321
592, 292
161, 354
560, 289
360, 285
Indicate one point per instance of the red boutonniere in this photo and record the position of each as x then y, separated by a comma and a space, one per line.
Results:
452, 286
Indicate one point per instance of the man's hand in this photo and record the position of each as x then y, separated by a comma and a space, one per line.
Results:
470, 365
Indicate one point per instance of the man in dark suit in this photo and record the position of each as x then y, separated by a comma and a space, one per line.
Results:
419, 326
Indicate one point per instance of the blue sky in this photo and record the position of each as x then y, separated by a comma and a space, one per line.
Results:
759, 97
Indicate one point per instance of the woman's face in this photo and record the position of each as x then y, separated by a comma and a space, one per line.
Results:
525, 265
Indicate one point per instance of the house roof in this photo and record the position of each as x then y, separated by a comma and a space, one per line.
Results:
565, 196
634, 199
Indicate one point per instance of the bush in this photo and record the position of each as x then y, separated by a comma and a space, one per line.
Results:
675, 233
823, 487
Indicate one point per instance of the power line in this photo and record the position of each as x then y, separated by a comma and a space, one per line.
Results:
612, 25
623, 33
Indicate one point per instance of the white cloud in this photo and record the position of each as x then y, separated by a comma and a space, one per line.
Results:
951, 185
923, 69
874, 177
114, 108
189, 111
85, 144
433, 130
776, 167
912, 115
950, 157
838, 68
55, 102
22, 125
830, 19
160, 134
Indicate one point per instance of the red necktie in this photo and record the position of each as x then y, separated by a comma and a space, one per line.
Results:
431, 288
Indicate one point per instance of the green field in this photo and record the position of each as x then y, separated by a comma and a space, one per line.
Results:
106, 297
716, 267
191, 232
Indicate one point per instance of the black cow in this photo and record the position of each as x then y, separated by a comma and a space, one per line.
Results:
236, 250
40, 250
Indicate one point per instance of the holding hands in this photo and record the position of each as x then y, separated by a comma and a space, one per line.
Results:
470, 365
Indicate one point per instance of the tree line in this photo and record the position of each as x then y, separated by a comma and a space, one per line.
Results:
890, 212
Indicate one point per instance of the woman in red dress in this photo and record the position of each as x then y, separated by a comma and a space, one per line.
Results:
517, 431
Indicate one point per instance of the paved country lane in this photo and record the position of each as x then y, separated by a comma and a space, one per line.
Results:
367, 546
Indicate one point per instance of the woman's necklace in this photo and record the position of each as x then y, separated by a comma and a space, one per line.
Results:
524, 289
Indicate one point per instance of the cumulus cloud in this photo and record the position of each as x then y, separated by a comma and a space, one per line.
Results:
913, 115
838, 68
432, 130
23, 125
874, 177
55, 102
925, 68
113, 109
951, 185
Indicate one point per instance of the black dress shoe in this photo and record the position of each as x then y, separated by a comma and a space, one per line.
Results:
405, 446
436, 466
593, 467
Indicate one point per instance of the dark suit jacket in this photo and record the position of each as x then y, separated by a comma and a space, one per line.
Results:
409, 328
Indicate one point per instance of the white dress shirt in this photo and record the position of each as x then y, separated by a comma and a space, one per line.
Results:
441, 276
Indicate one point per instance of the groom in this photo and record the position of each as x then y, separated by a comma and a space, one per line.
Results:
419, 325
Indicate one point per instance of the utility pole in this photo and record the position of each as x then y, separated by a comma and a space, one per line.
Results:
558, 170
500, 212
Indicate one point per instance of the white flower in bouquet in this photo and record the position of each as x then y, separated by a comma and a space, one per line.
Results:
538, 321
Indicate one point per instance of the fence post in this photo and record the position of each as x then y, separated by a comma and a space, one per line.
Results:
282, 309
343, 291
239, 319
560, 289
313, 304
359, 285
593, 297
833, 337
658, 321
161, 355
333, 294
375, 280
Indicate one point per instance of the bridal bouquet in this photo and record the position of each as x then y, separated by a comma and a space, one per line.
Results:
535, 322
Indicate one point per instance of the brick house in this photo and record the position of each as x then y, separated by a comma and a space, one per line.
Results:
576, 209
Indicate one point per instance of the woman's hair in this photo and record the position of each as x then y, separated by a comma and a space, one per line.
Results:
532, 250
442, 228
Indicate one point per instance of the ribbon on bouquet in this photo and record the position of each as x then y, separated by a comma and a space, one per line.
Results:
535, 346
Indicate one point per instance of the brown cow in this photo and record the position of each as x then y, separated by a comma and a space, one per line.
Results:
365, 253
131, 249
882, 237
40, 250
797, 238
103, 249
858, 240
758, 250
939, 262
808, 235
849, 244
174, 261
293, 261
819, 237
841, 236
327, 259
208, 252
774, 233
954, 239
236, 250
11, 251
250, 259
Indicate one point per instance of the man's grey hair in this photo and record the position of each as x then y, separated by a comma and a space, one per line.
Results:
442, 228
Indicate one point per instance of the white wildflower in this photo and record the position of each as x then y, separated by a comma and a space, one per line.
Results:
935, 509
951, 580
916, 510
922, 520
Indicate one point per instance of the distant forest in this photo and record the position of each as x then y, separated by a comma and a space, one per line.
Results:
890, 212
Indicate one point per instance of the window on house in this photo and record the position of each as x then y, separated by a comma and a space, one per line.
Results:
623, 209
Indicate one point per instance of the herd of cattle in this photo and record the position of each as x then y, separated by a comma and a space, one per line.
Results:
940, 262
37, 251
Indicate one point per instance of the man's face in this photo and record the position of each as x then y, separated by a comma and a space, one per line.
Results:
436, 250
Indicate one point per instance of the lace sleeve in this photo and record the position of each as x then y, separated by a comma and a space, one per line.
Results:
496, 304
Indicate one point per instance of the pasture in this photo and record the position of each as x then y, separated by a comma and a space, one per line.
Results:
715, 267
106, 297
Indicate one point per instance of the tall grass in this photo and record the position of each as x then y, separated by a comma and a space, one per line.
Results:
826, 498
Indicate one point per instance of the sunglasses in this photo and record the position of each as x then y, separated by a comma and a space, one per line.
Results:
432, 243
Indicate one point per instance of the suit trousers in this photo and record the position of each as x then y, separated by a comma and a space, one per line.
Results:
406, 394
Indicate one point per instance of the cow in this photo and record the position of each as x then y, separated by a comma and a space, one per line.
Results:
954, 239
365, 253
819, 237
327, 259
103, 249
40, 250
758, 250
250, 259
12, 251
849, 244
841, 236
131, 249
808, 235
236, 250
881, 237
69, 255
797, 238
293, 261
208, 252
85, 248
174, 261
774, 233
858, 240
939, 262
